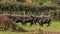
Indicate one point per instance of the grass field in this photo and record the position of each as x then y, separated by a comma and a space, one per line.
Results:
55, 26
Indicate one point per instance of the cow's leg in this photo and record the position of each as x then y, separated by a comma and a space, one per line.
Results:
48, 24
31, 23
34, 22
41, 24
23, 23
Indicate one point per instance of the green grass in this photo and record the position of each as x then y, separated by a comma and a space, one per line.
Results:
8, 32
55, 26
27, 27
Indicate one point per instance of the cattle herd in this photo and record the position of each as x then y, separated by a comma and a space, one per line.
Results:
8, 22
32, 20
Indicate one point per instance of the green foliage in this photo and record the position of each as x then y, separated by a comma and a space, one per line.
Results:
43, 2
16, 7
21, 0
55, 15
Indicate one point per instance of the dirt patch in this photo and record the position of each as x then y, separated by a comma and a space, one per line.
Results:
51, 32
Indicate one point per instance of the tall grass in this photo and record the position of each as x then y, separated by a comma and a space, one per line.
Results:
55, 26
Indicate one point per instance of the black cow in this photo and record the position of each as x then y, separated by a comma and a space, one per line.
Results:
19, 19
28, 20
44, 20
32, 20
25, 20
35, 20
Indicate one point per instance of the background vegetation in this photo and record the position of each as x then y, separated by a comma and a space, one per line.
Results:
30, 7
